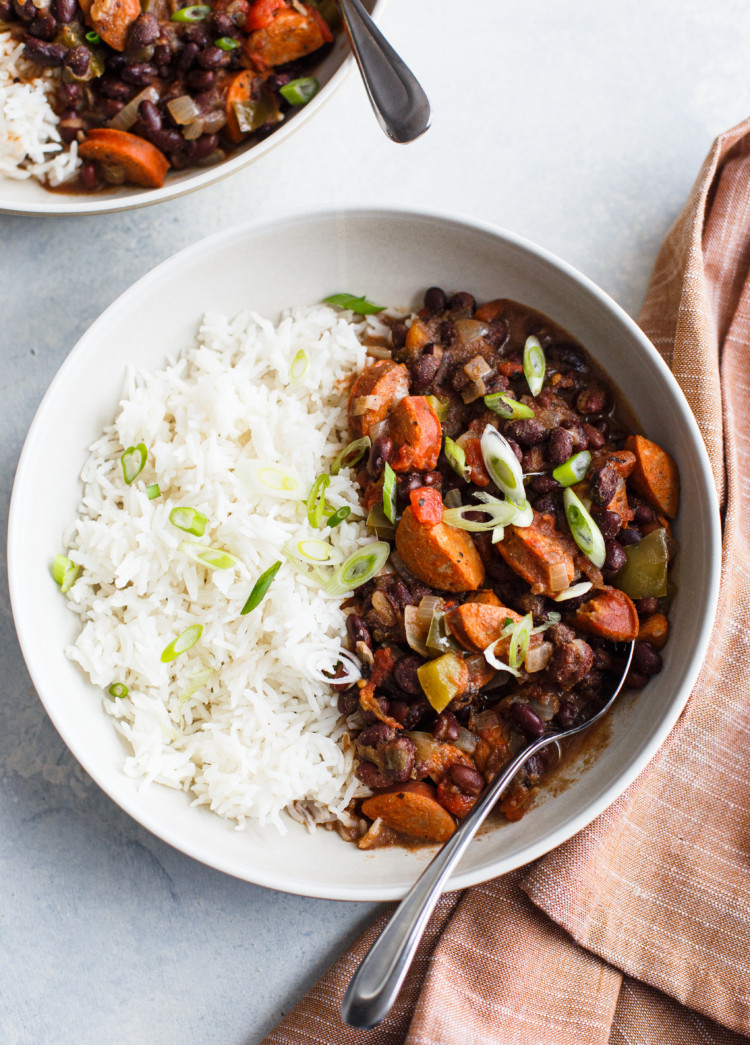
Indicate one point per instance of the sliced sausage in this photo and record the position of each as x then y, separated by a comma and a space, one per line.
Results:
609, 615
415, 429
413, 810
476, 625
142, 162
542, 556
111, 19
290, 35
441, 556
655, 629
655, 476
384, 381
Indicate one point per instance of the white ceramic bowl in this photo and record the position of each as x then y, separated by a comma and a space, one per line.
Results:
28, 197
391, 256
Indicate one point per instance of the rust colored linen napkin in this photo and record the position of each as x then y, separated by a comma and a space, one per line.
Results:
638, 929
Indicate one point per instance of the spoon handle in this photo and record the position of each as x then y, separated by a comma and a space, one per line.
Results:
377, 981
400, 104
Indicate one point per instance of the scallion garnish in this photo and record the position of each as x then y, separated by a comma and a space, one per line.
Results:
93, 38
214, 558
574, 591
351, 454
184, 641
316, 500
360, 305
440, 406
133, 462
118, 689
65, 572
153, 491
299, 366
338, 516
300, 92
359, 568
389, 493
314, 551
260, 588
586, 533
456, 458
190, 520
226, 43
572, 470
194, 13
519, 642
501, 513
508, 408
270, 478
200, 678
502, 465
534, 364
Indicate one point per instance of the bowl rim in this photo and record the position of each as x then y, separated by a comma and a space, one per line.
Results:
690, 668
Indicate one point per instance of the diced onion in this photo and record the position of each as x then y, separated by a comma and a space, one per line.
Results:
321, 665
470, 329
586, 533
364, 403
534, 364
453, 498
416, 632
193, 130
558, 576
574, 591
183, 109
428, 607
476, 368
503, 465
127, 116
538, 657
466, 741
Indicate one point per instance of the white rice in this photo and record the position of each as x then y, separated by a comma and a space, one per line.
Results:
30, 144
260, 736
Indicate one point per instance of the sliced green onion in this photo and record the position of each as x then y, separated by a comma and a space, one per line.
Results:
440, 406
133, 462
260, 588
360, 305
456, 458
184, 641
316, 500
271, 478
153, 491
586, 533
118, 689
195, 13
502, 465
227, 43
338, 516
498, 534
524, 513
200, 678
572, 470
351, 454
493, 661
501, 513
190, 520
508, 408
299, 92
377, 521
93, 38
534, 364
389, 493
359, 568
574, 591
299, 366
519, 642
314, 551
214, 558
65, 572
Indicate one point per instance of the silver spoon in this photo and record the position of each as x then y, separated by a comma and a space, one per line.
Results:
376, 983
400, 104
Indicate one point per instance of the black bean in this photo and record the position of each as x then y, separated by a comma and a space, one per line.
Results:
143, 32
64, 10
594, 437
379, 454
150, 117
162, 54
604, 483
78, 60
6, 10
405, 484
568, 356
69, 126
423, 372
401, 594
168, 141
635, 680
646, 607
187, 57
446, 727
197, 33
43, 28
44, 53
405, 674
591, 400
447, 332
566, 714
516, 450
213, 58
545, 504
601, 423
642, 513
615, 557
200, 148
608, 522
88, 176
435, 300
559, 446
348, 703
224, 24
25, 11
629, 536
201, 79
497, 332
68, 95
580, 440
466, 779
398, 334
544, 484
112, 87
528, 720
526, 432
646, 660
112, 106
357, 630
141, 74
462, 302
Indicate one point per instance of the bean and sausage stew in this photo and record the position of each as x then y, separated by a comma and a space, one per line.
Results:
145, 86
531, 540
